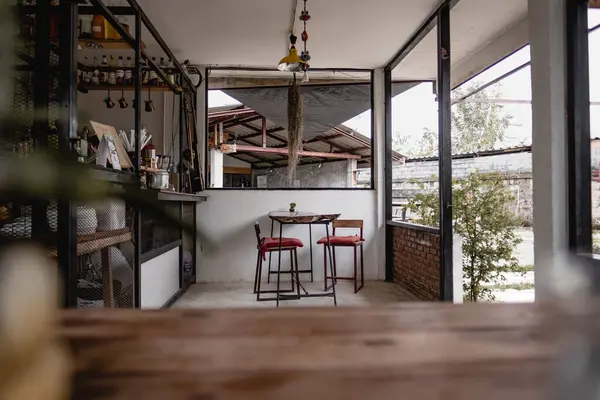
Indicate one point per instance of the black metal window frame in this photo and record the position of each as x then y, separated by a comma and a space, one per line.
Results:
440, 19
577, 86
347, 70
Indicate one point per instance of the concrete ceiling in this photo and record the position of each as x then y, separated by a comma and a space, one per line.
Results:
342, 33
475, 26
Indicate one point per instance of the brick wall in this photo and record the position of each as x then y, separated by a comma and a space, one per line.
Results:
417, 260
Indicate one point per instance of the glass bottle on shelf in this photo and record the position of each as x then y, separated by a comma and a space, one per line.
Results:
145, 72
104, 74
153, 80
87, 75
171, 74
95, 78
98, 27
120, 72
163, 68
129, 72
86, 26
112, 75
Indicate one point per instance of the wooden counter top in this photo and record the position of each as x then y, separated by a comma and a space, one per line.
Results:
169, 195
411, 351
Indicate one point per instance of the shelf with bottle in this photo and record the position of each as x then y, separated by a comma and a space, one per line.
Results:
84, 88
117, 73
104, 44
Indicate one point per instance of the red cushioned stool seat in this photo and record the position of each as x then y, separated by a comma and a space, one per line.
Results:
341, 240
272, 243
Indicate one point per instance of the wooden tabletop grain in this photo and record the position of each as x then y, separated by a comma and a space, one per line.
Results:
411, 351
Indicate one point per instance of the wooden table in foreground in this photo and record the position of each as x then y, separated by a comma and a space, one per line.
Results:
411, 351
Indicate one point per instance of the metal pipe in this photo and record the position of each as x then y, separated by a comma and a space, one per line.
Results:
445, 154
161, 42
67, 129
264, 132
110, 17
419, 35
227, 113
137, 234
274, 150
389, 233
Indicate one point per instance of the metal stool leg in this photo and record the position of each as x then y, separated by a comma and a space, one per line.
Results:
355, 272
362, 267
269, 274
259, 267
279, 264
325, 266
331, 266
256, 277
298, 274
334, 263
311, 256
292, 270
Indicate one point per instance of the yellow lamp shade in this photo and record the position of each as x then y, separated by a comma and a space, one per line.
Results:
292, 62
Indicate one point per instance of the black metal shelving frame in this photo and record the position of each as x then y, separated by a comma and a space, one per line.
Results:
55, 56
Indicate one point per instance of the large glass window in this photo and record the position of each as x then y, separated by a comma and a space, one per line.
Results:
594, 65
249, 142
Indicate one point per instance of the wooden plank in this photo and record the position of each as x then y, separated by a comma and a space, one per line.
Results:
101, 235
123, 87
107, 279
103, 240
236, 170
347, 223
414, 351
104, 44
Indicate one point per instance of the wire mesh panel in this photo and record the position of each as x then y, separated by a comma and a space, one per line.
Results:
16, 126
105, 254
155, 234
188, 246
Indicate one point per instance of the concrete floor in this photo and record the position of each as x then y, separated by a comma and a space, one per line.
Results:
239, 295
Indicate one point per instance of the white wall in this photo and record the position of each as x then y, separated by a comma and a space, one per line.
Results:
160, 279
228, 219
229, 161
158, 123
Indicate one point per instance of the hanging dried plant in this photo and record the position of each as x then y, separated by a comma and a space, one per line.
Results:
294, 111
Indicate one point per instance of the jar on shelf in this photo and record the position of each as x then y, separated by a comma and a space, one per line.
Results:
98, 27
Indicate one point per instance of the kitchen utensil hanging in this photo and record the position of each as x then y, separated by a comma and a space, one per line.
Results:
122, 102
149, 104
108, 101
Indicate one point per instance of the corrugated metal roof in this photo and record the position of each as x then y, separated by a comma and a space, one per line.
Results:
494, 152
340, 139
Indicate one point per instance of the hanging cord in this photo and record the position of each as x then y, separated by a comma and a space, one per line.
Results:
294, 17
305, 55
305, 27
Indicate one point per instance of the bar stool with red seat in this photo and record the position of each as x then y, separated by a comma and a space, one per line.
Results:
354, 242
271, 244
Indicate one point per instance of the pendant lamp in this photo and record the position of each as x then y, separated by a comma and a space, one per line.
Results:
292, 62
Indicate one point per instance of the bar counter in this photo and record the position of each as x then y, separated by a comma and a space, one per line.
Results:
411, 351
167, 255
